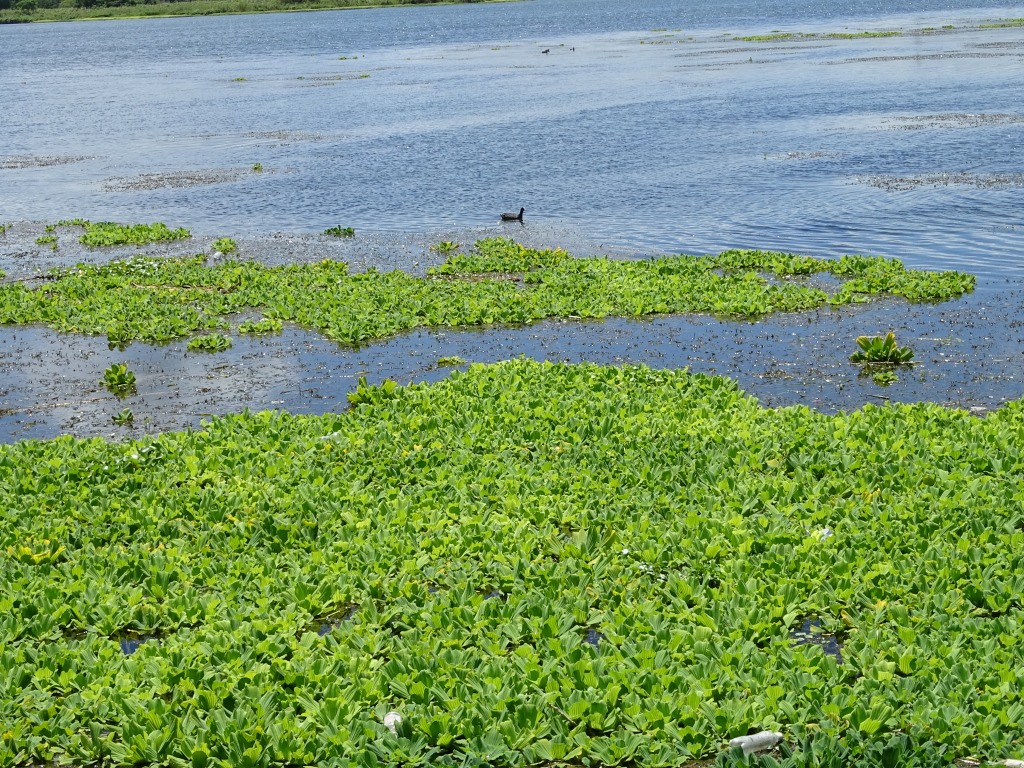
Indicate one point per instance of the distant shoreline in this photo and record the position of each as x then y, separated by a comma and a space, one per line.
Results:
180, 8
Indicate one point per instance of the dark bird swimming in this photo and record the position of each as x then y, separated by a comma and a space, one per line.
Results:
513, 216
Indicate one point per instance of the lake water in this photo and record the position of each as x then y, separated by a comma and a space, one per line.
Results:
648, 126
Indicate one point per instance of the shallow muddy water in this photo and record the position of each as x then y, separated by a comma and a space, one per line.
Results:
969, 351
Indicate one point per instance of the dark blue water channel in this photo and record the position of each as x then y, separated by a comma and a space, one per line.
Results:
649, 125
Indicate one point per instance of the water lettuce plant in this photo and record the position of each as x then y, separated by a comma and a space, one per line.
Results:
881, 349
885, 378
211, 342
261, 326
107, 233
224, 245
445, 246
50, 240
340, 231
118, 379
500, 281
531, 564
124, 417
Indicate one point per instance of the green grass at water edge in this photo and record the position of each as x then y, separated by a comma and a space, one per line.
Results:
531, 563
156, 299
202, 8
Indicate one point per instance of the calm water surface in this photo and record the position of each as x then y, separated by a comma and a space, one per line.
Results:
648, 125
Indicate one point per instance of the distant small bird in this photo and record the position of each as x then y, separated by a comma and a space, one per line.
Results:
513, 216
546, 50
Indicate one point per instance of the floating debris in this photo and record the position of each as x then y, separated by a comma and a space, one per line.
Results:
756, 742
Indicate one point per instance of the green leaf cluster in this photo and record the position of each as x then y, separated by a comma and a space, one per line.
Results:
211, 342
50, 240
157, 299
262, 326
224, 245
124, 417
531, 563
118, 379
107, 233
445, 246
881, 349
340, 231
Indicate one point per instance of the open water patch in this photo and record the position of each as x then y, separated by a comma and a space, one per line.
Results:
131, 642
810, 633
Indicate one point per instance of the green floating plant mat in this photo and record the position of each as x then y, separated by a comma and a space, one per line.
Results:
159, 299
530, 563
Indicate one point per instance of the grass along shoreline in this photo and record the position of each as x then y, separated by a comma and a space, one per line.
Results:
205, 8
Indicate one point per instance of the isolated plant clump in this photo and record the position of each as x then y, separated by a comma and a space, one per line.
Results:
340, 231
531, 564
881, 349
118, 379
108, 233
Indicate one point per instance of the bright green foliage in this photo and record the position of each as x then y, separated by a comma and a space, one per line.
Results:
105, 233
258, 327
159, 299
340, 231
213, 342
885, 378
532, 563
256, 167
881, 349
73, 223
500, 254
118, 379
452, 360
50, 240
445, 246
124, 417
224, 245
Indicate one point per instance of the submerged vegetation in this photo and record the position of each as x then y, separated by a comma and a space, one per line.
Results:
531, 564
500, 281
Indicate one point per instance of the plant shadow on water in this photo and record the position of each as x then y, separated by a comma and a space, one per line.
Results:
131, 642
